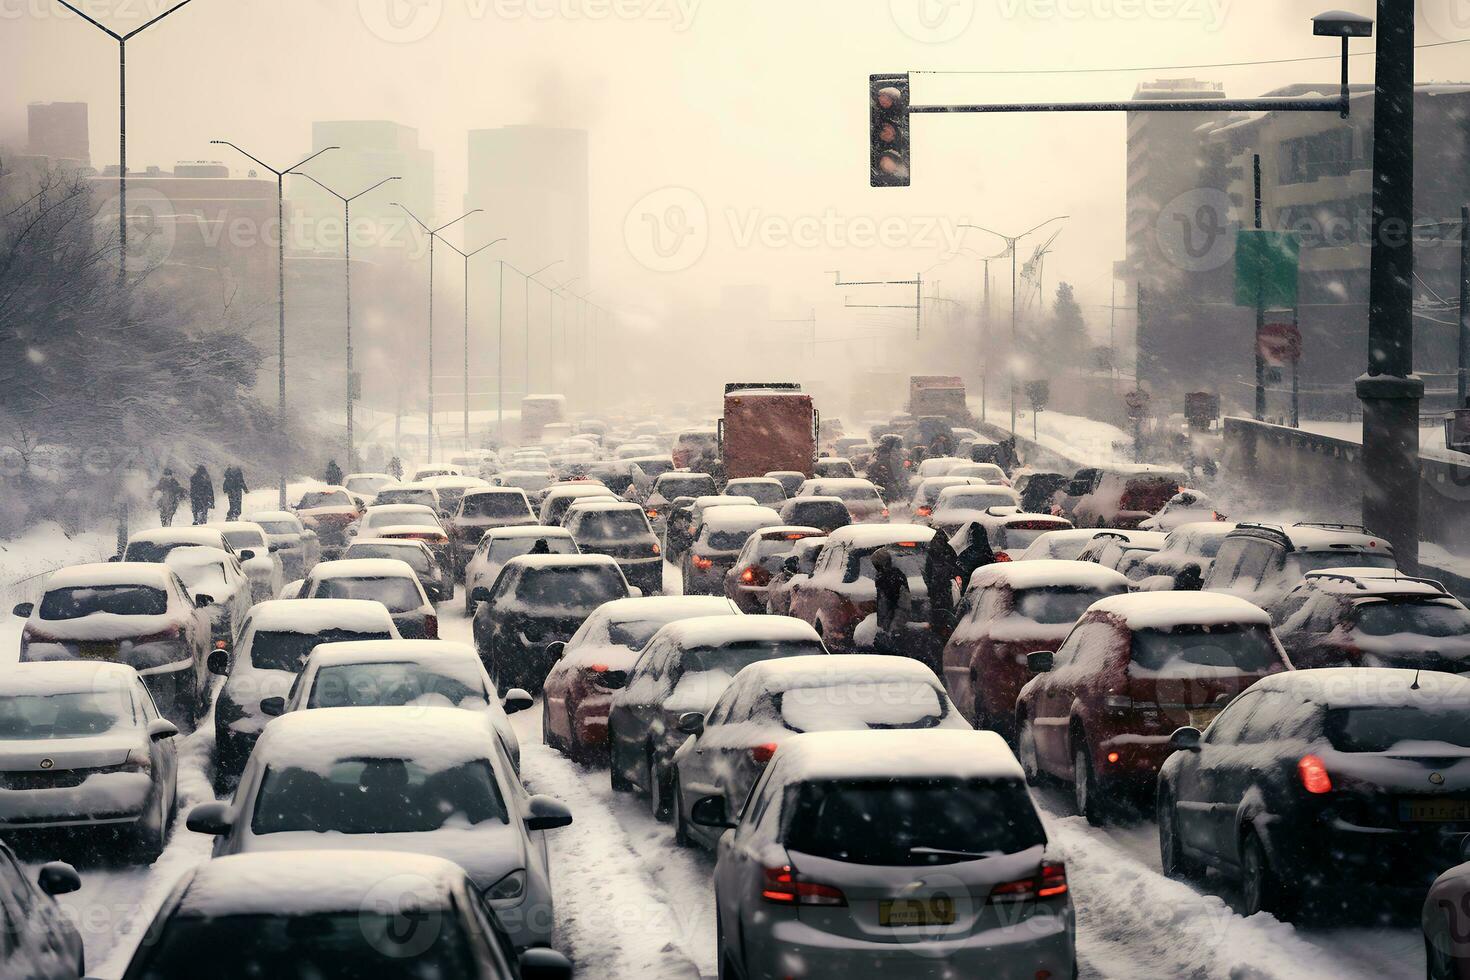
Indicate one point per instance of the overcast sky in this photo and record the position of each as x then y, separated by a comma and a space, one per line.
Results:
745, 117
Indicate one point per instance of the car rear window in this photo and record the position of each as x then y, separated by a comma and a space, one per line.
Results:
1185, 649
241, 540
377, 796
119, 600
1380, 729
762, 493
279, 527
821, 513
414, 557
1317, 561
1056, 606
151, 553
726, 540
616, 525
907, 558
422, 497
504, 549
911, 822
409, 518
496, 505
281, 650
393, 685
580, 587
855, 494
336, 498
690, 485
861, 704
1439, 618
731, 658
77, 714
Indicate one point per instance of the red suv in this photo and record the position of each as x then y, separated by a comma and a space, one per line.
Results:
1011, 610
840, 593
1127, 497
1135, 668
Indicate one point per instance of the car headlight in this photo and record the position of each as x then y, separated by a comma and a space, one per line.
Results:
512, 886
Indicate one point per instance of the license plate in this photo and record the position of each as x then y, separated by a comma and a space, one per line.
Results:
1434, 811
900, 912
96, 651
1201, 717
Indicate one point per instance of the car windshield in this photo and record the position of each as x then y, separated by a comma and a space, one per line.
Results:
415, 557
118, 600
281, 650
154, 552
1317, 561
367, 484
911, 822
241, 540
612, 525
573, 587
1058, 546
726, 540
364, 944
1055, 606
332, 498
65, 715
495, 505
377, 796
685, 485
504, 549
634, 633
1381, 729
978, 499
279, 527
853, 705
761, 493
402, 518
1230, 647
1436, 617
907, 558
731, 658
399, 594
394, 684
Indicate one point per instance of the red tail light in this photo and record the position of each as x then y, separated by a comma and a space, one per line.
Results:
652, 514
1051, 882
885, 511
762, 753
755, 575
702, 563
783, 886
599, 668
1313, 772
1002, 556
431, 627
656, 549
922, 511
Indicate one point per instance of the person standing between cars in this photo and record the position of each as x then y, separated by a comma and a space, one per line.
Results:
235, 490
395, 468
941, 569
333, 475
976, 551
201, 494
886, 472
892, 587
169, 491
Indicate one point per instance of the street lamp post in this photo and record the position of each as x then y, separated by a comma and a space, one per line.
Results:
280, 287
558, 290
347, 264
467, 256
1011, 241
527, 312
433, 233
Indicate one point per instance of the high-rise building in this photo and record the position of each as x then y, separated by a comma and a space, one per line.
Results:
369, 150
59, 130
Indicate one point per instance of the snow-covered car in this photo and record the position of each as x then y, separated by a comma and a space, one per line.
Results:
1127, 496
864, 501
770, 702
45, 943
1373, 618
1261, 563
328, 511
834, 468
989, 472
594, 664
859, 855
1323, 788
956, 506
760, 561
264, 567
840, 593
554, 505
155, 544
295, 543
367, 485
218, 575
718, 539
427, 780
420, 494
532, 482
438, 586
1010, 611
451, 488
685, 668
927, 491
1010, 531
938, 466
134, 613
411, 522
1185, 559
685, 516
501, 545
1185, 507
790, 480
483, 509
430, 470
333, 913
795, 569
1101, 711
1446, 944
274, 643
389, 581
1123, 550
825, 513
670, 487
621, 531
1064, 545
538, 601
398, 673
84, 750
766, 491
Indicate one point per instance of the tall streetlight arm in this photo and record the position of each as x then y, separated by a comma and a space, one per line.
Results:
456, 220
101, 26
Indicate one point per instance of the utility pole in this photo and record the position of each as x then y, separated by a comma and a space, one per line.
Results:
500, 352
467, 256
1462, 387
1390, 391
280, 288
917, 306
1260, 309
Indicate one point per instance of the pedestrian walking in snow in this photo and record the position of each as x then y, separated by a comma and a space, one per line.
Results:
201, 494
395, 468
333, 474
167, 494
235, 490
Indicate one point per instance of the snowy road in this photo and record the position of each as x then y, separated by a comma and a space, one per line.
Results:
632, 904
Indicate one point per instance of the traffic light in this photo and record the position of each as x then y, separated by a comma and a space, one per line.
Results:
888, 131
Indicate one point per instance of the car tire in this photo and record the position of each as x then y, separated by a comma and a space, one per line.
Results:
660, 794
1261, 889
1085, 788
547, 739
681, 828
1026, 752
620, 783
1172, 859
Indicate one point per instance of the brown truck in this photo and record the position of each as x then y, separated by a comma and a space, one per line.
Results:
768, 427
941, 395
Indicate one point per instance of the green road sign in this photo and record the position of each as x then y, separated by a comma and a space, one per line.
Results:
1265, 268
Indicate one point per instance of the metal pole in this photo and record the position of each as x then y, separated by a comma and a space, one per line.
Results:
429, 440
1011, 365
985, 358
1112, 329
1260, 310
526, 311
500, 352
466, 353
281, 309
1462, 388
1296, 372
122, 163
347, 259
918, 305
1390, 391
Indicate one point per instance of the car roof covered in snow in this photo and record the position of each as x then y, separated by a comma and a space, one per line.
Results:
1149, 540
455, 482
582, 488
528, 531
436, 738
879, 535
1364, 687
298, 883
64, 676
787, 673
363, 568
1207, 529
1315, 537
1363, 583
740, 517
763, 481
723, 500
794, 530
559, 561
272, 515
179, 535
320, 615
1045, 573
667, 608
153, 574
196, 557
718, 631
394, 651
935, 753
839, 483
236, 526
605, 506
948, 496
486, 491
1165, 610
393, 509
814, 498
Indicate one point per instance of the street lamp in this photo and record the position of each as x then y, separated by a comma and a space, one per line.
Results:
467, 256
528, 317
433, 233
558, 290
347, 264
1011, 241
280, 285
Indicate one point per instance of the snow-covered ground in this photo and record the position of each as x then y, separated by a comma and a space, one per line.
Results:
1082, 439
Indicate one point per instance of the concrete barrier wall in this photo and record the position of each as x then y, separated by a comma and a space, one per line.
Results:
1032, 453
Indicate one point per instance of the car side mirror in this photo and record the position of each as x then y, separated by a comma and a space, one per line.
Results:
545, 813
219, 663
517, 700
275, 707
1040, 662
275, 548
544, 964
161, 728
247, 555
210, 818
202, 601
691, 723
58, 878
634, 592
480, 594
1185, 740
23, 610
115, 558
710, 812
556, 649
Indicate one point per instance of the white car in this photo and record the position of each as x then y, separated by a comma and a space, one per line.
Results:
367, 485
393, 673
83, 749
862, 498
389, 581
427, 780
294, 543
499, 546
414, 521
217, 574
267, 574
959, 505
434, 469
